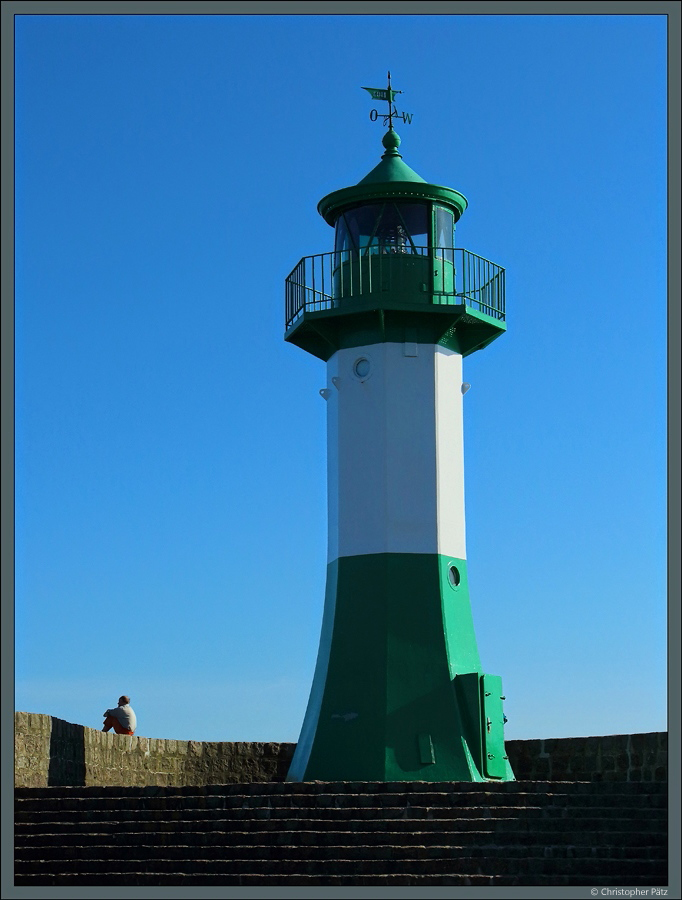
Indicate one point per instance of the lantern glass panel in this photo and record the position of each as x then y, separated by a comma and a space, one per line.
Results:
383, 228
444, 230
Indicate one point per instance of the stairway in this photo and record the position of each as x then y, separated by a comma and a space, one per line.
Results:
370, 833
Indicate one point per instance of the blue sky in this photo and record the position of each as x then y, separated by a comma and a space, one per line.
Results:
171, 458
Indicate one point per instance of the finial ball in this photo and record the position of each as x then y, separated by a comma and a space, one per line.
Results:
391, 140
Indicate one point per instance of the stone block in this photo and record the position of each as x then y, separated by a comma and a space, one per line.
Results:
576, 765
640, 742
541, 767
622, 762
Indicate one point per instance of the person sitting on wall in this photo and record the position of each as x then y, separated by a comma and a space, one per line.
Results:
122, 719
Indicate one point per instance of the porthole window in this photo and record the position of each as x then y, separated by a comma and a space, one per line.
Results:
453, 576
362, 368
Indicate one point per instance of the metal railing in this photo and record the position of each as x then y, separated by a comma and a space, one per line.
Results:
440, 275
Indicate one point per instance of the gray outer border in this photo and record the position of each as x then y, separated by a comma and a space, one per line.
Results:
669, 8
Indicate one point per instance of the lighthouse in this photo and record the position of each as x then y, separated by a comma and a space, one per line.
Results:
399, 692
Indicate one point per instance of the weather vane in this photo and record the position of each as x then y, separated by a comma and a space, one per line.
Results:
389, 95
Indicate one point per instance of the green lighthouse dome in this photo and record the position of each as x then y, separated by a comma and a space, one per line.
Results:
391, 179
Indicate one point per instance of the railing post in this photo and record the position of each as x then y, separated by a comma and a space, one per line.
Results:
323, 267
465, 274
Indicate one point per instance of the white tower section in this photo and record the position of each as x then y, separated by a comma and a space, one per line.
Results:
395, 451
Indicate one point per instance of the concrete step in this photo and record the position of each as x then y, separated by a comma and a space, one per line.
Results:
251, 827
163, 879
366, 787
596, 819
308, 836
465, 800
644, 823
434, 861
307, 851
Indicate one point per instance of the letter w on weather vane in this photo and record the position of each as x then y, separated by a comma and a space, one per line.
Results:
388, 95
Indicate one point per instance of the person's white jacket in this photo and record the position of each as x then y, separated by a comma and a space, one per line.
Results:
125, 716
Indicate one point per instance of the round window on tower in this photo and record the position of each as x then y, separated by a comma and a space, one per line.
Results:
362, 368
453, 576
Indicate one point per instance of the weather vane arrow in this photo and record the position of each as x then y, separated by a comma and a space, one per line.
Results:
389, 95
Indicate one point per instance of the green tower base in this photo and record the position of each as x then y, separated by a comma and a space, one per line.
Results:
399, 693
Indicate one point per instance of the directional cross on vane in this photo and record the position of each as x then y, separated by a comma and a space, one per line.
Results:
387, 95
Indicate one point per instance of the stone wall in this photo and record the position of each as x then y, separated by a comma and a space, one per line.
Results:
32, 737
50, 752
615, 757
